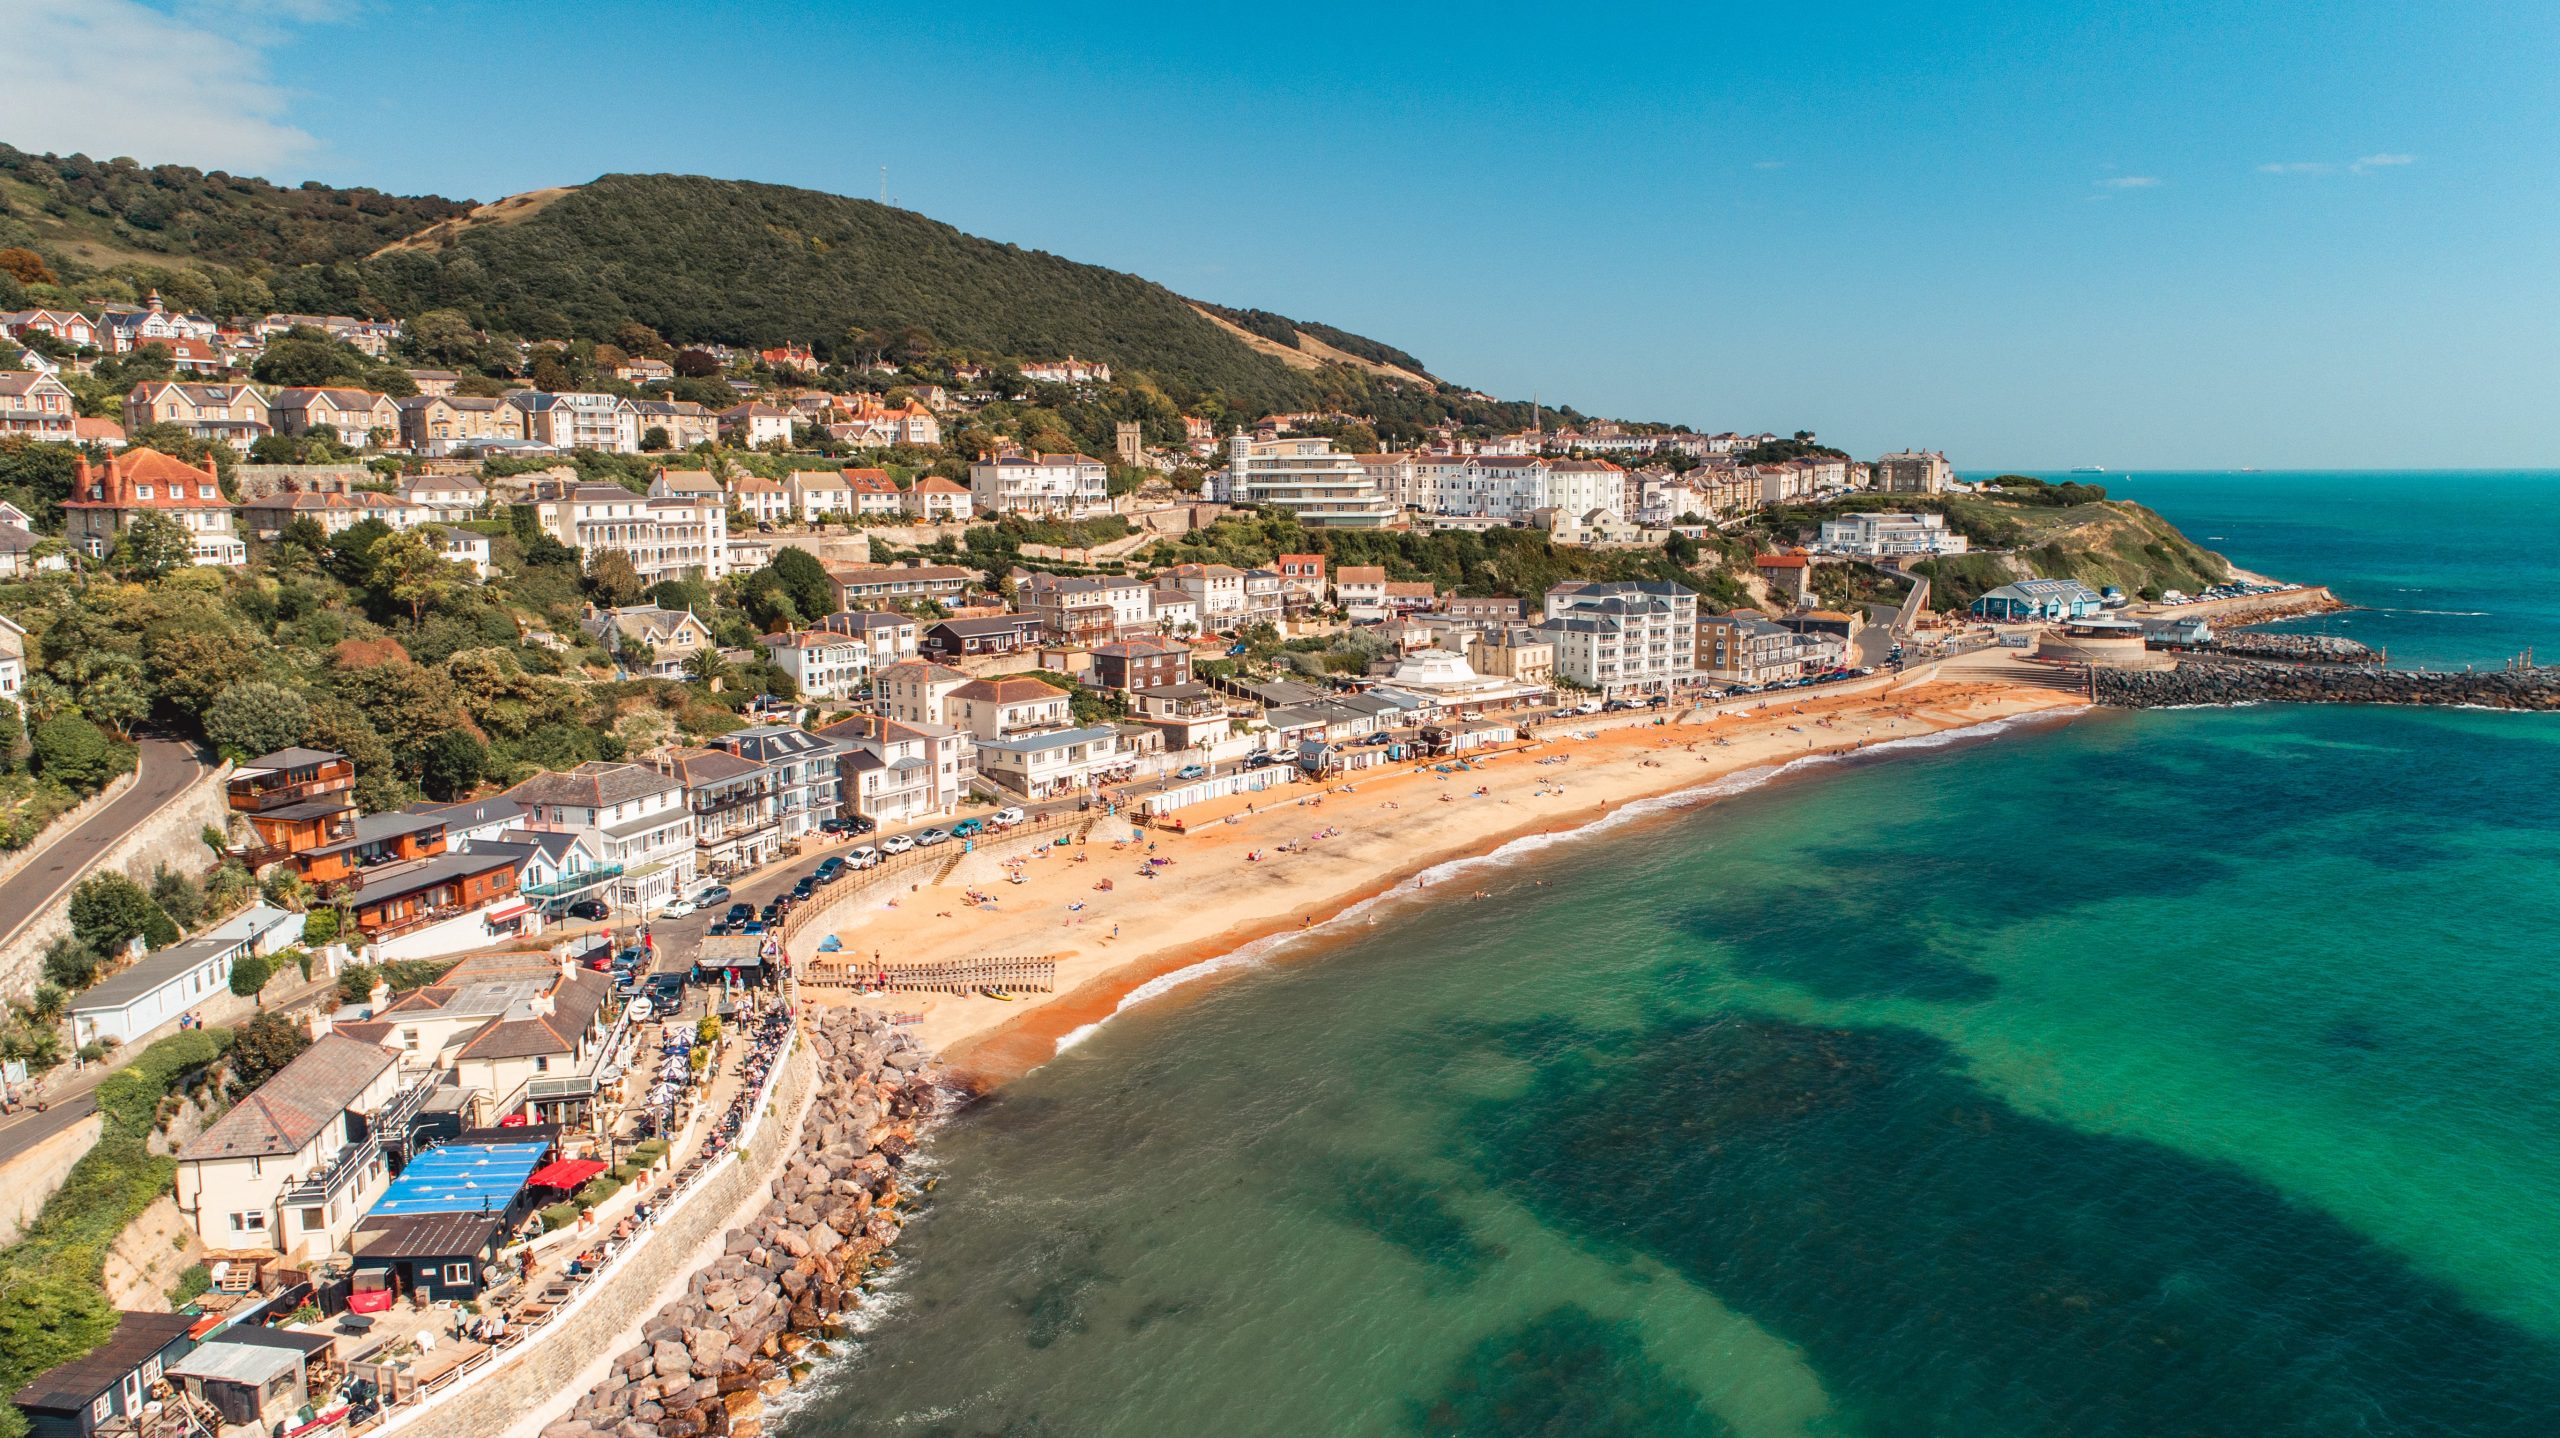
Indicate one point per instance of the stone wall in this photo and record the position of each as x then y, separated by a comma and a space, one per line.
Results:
174, 836
557, 1364
31, 1177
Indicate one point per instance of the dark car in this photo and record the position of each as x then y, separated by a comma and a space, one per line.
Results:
861, 824
741, 910
772, 913
715, 928
589, 909
829, 871
804, 888
666, 991
834, 826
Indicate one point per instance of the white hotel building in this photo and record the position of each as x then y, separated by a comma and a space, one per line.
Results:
1051, 486
667, 538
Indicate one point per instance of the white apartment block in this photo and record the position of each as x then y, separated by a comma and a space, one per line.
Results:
1053, 486
1883, 534
824, 664
1306, 476
1638, 637
666, 538
571, 420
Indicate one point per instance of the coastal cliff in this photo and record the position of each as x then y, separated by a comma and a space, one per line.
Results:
2252, 682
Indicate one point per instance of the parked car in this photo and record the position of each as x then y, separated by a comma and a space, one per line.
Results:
968, 828
1616, 706
1005, 818
1257, 761
896, 844
589, 909
830, 869
834, 826
666, 992
771, 913
751, 926
804, 888
861, 824
715, 928
1191, 771
931, 837
716, 894
679, 909
741, 910
862, 858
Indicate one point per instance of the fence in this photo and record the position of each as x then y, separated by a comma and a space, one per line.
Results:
953, 976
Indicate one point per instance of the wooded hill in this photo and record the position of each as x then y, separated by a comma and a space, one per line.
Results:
698, 260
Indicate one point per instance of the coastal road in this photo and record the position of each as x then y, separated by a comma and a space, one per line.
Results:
167, 768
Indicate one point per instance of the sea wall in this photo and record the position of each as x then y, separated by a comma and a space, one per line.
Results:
707, 1362
2304, 648
2252, 682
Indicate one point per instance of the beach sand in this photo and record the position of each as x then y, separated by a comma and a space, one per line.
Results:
1382, 835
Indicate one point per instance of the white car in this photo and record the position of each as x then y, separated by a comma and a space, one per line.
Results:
896, 844
862, 858
1005, 818
678, 909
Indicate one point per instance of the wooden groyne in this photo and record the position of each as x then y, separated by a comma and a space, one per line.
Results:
954, 976
2243, 681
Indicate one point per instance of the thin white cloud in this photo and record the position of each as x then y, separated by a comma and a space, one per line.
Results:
2130, 182
2363, 166
190, 86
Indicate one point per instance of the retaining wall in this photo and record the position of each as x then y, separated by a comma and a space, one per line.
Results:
173, 836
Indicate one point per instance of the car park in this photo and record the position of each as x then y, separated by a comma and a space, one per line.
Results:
896, 844
931, 837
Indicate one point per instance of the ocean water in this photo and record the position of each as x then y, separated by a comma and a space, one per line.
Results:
2158, 1074
2448, 568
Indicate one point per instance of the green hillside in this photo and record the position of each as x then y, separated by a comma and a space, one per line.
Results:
719, 260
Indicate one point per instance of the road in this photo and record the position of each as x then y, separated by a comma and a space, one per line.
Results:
167, 768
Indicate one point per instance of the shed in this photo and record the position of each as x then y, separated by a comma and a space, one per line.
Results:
153, 991
110, 1383
244, 1382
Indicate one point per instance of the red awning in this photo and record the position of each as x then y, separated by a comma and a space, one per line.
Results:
568, 1173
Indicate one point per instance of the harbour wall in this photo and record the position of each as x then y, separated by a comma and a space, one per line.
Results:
2253, 682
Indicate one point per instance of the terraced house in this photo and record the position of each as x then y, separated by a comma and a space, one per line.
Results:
36, 406
801, 768
353, 415
441, 424
732, 799
234, 414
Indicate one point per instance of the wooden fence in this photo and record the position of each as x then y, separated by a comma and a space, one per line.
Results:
956, 976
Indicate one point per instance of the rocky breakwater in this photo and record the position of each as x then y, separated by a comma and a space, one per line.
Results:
2242, 681
2301, 648
753, 1318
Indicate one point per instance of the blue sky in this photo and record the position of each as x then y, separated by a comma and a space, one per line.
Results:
2142, 235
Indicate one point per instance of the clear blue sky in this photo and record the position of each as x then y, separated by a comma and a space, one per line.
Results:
2146, 235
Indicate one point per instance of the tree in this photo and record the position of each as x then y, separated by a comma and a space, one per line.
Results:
107, 684
696, 364
26, 266
612, 581
320, 926
262, 1047
405, 569
655, 440
805, 580
706, 668
79, 755
249, 973
13, 733
256, 717
70, 963
152, 545
453, 763
178, 896
444, 337
191, 661
109, 911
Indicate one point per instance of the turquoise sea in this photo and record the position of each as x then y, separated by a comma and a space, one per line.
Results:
2165, 1074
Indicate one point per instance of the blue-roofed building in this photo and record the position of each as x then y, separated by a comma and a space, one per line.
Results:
434, 1232
2027, 601
462, 1178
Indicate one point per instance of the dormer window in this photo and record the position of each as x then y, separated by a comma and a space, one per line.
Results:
142, 491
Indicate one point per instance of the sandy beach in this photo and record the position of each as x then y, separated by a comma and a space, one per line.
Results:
1286, 861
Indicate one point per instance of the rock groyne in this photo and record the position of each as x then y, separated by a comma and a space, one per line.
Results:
2243, 681
2302, 648
707, 1363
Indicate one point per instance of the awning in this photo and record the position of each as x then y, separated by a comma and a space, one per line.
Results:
504, 912
566, 1174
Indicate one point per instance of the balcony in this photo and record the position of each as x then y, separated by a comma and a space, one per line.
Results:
328, 1183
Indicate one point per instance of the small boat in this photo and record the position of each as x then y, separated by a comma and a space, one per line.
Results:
998, 995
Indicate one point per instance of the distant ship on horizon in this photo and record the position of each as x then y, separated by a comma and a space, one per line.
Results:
2089, 469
